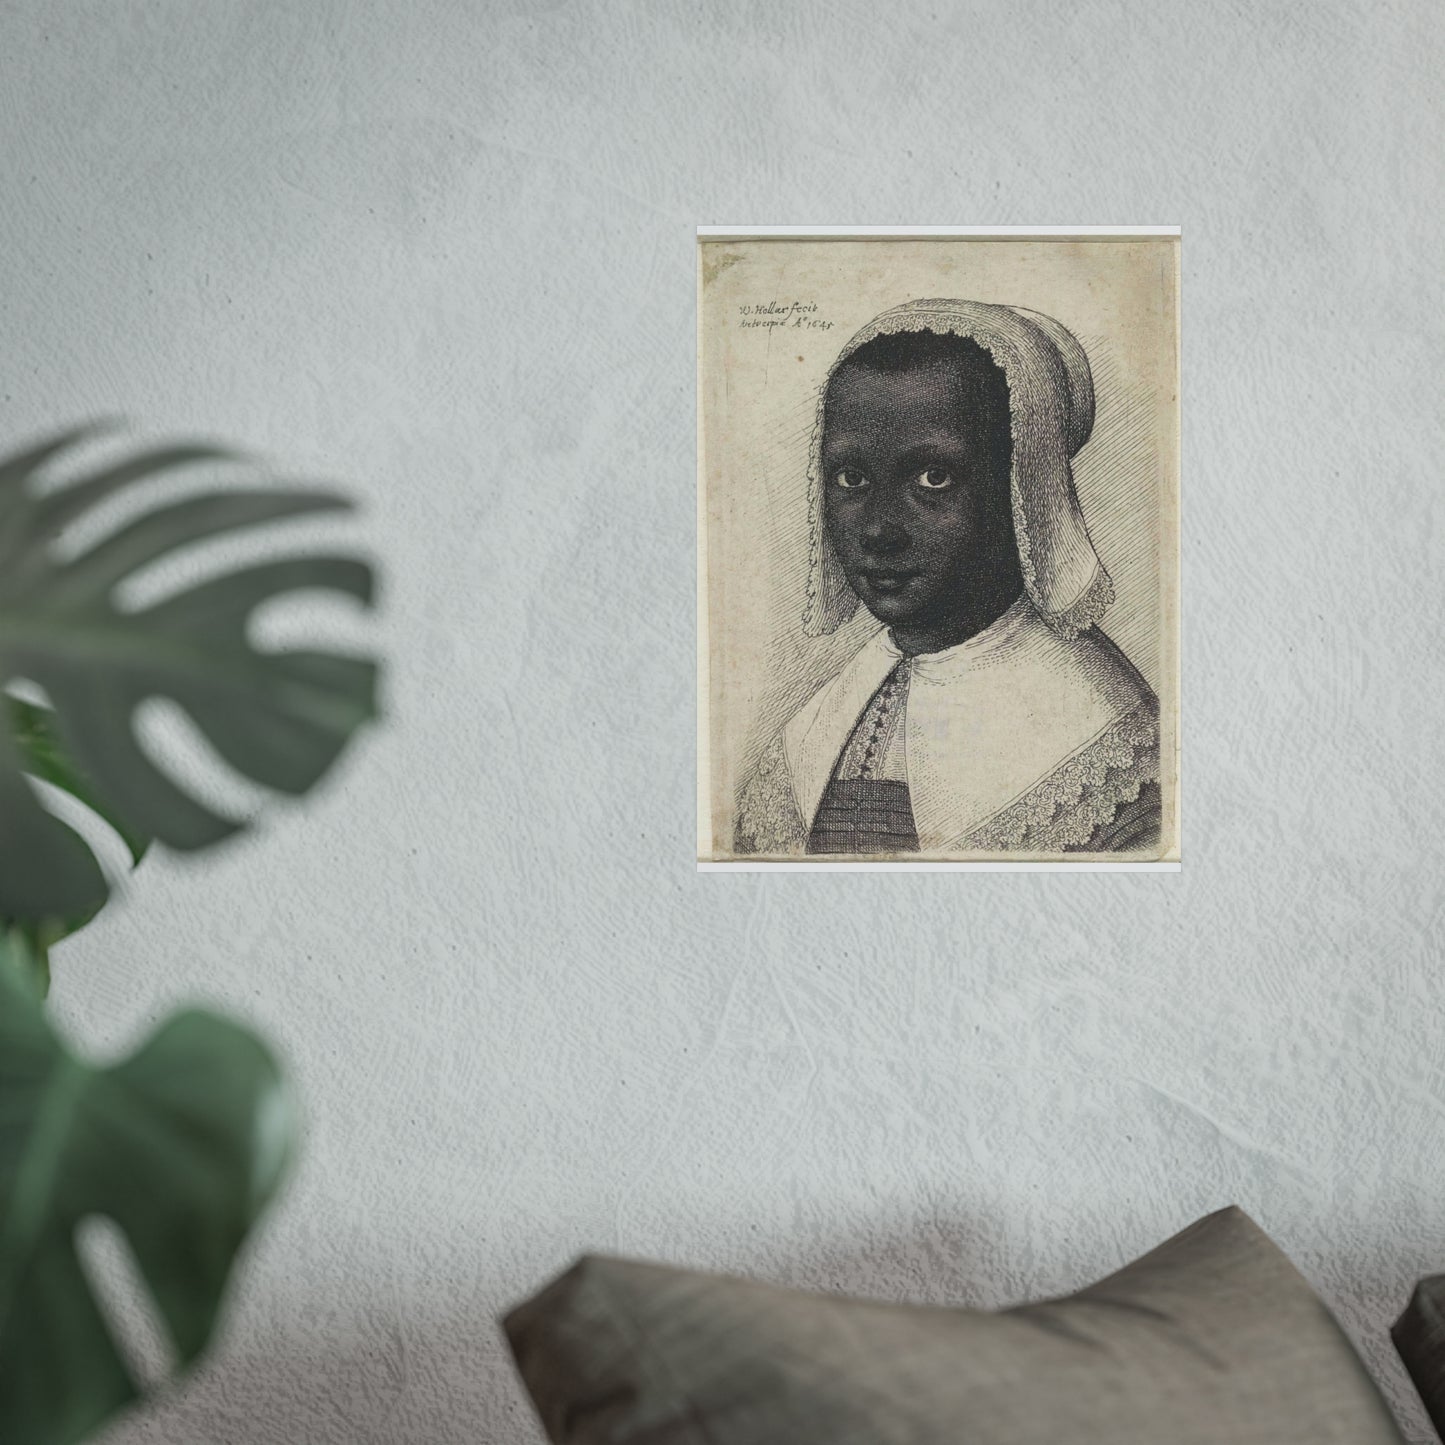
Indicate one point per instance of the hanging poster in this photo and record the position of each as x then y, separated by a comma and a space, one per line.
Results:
938, 548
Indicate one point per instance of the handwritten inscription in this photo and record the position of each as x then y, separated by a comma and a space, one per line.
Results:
772, 315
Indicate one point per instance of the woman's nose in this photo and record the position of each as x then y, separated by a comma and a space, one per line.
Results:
883, 531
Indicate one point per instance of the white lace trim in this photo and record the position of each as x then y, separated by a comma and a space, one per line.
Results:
1081, 795
768, 820
1062, 811
1087, 610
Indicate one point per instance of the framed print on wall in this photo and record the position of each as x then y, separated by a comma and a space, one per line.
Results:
938, 548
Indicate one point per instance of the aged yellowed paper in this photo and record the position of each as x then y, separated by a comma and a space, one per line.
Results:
938, 549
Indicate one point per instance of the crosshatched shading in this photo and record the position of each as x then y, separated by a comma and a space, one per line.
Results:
972, 702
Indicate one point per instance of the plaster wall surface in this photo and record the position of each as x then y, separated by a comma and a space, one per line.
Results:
442, 252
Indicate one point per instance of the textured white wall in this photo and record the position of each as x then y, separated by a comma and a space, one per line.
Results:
444, 251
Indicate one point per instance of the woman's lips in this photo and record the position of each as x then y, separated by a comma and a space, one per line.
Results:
888, 581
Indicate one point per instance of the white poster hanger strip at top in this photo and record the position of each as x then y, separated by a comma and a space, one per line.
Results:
903, 232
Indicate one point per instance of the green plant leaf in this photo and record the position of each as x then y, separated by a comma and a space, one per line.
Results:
280, 718
25, 954
182, 1145
34, 729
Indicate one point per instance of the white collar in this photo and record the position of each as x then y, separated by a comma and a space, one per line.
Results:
986, 720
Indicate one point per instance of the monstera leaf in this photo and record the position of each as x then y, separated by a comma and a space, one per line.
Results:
33, 729
279, 718
181, 1144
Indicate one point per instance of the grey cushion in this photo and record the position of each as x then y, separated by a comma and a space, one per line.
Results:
1212, 1337
1419, 1336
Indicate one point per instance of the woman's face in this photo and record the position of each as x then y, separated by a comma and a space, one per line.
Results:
916, 501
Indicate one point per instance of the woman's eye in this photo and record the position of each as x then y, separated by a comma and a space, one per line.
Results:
850, 478
935, 479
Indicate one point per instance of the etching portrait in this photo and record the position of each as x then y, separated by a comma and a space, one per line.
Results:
952, 688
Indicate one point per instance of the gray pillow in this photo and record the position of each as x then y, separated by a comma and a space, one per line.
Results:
1212, 1337
1419, 1336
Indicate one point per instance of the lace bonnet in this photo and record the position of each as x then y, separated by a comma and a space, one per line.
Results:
1051, 414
